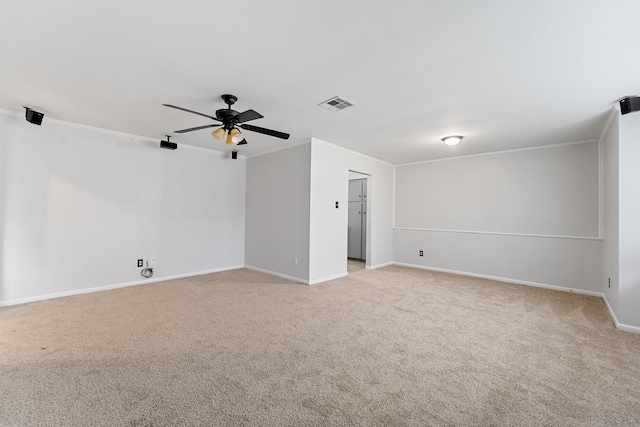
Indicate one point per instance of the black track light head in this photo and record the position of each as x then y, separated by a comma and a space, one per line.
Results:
33, 116
629, 104
168, 144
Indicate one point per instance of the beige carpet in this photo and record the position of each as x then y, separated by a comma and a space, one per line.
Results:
393, 347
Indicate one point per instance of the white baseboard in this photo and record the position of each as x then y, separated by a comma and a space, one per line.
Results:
26, 300
384, 264
505, 279
327, 278
273, 273
297, 279
619, 326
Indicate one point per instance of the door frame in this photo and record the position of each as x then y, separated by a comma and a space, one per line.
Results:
355, 174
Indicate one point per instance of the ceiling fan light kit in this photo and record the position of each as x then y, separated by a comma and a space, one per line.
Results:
452, 140
231, 122
219, 134
234, 136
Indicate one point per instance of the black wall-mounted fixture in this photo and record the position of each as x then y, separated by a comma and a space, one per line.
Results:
234, 155
630, 104
33, 116
168, 144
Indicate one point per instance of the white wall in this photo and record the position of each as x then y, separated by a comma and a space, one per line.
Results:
81, 205
4, 137
330, 167
277, 218
610, 211
356, 175
621, 218
528, 216
629, 220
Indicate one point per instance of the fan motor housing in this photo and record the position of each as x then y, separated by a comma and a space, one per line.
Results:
226, 114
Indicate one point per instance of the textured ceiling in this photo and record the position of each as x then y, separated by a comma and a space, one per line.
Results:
505, 74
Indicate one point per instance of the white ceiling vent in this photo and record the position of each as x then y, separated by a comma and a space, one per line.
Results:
336, 103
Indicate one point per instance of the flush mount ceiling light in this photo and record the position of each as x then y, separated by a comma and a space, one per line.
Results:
452, 140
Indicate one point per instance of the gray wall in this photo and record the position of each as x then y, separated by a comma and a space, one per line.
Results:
81, 205
277, 219
529, 216
291, 211
549, 191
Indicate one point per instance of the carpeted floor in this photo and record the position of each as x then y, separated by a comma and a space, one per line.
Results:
393, 347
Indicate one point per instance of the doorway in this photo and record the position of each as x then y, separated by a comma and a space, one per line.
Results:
358, 222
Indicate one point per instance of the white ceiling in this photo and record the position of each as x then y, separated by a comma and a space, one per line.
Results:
505, 74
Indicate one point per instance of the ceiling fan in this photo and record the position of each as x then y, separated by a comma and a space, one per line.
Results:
230, 120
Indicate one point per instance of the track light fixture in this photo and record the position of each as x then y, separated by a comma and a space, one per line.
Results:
33, 116
452, 140
629, 104
168, 145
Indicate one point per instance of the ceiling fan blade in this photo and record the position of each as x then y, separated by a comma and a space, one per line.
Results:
190, 111
247, 115
197, 128
266, 131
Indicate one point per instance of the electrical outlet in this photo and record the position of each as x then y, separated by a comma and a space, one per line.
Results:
421, 253
609, 281
295, 260
336, 205
140, 263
